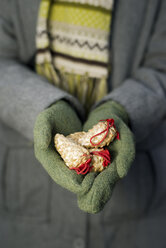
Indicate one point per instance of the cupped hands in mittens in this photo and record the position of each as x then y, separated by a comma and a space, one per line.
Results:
93, 189
59, 118
122, 155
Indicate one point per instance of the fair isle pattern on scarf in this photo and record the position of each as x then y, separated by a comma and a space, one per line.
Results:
72, 46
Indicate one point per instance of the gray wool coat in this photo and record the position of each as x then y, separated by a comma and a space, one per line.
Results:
36, 212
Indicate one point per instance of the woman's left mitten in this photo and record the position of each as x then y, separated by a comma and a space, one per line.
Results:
122, 155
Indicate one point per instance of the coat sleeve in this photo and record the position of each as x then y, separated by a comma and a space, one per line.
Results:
144, 94
23, 93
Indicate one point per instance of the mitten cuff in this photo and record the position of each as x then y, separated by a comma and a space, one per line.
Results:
115, 108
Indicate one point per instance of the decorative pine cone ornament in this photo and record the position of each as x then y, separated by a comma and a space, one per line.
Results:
101, 158
75, 156
100, 135
83, 151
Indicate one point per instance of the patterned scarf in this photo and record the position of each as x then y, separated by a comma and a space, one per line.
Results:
73, 48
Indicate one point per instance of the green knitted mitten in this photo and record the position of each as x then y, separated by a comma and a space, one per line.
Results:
59, 118
122, 155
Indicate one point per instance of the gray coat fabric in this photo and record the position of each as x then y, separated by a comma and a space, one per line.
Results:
34, 211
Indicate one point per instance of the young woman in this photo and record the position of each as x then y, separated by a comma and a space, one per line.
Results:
59, 60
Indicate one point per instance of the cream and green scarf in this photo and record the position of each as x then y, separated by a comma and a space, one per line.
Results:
72, 46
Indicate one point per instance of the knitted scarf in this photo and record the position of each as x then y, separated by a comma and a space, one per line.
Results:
72, 46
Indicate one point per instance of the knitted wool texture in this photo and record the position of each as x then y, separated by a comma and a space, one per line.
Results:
122, 155
72, 44
93, 190
59, 118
